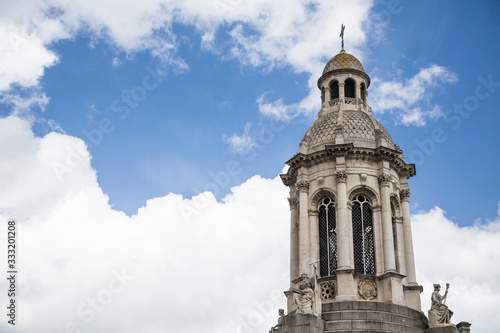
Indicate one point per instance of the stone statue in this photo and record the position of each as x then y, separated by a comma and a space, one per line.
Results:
277, 328
304, 295
439, 313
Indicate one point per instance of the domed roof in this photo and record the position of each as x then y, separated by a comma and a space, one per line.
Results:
356, 127
343, 60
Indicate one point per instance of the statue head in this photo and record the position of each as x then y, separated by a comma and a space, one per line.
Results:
437, 286
281, 312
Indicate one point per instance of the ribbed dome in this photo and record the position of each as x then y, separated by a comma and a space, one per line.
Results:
357, 127
343, 60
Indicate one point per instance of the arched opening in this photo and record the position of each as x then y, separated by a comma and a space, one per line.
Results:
363, 96
362, 231
327, 237
334, 90
349, 88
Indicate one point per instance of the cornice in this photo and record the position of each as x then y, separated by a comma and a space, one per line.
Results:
331, 152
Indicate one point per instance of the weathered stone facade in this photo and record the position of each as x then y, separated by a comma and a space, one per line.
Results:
350, 217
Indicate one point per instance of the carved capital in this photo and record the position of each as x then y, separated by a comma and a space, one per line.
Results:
293, 203
302, 186
404, 195
312, 212
385, 179
341, 176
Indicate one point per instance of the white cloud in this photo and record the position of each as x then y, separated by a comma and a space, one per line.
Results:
187, 265
466, 258
24, 104
261, 33
410, 99
197, 264
116, 62
23, 57
241, 143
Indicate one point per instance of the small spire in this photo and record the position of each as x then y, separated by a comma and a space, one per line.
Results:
342, 28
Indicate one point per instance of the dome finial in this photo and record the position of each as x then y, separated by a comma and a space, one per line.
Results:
342, 28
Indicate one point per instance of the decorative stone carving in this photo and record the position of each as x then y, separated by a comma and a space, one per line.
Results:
327, 291
362, 178
385, 179
341, 176
302, 186
404, 195
303, 295
439, 314
312, 212
293, 203
339, 129
367, 289
277, 327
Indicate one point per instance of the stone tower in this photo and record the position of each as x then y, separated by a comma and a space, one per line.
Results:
351, 261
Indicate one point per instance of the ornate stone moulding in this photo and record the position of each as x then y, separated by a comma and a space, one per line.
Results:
347, 150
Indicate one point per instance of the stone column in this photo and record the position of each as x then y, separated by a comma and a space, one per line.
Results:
314, 238
342, 95
304, 251
346, 288
387, 235
328, 94
294, 249
399, 241
404, 195
342, 227
379, 244
357, 94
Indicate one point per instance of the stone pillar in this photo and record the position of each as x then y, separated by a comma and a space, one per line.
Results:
304, 250
328, 95
357, 94
387, 235
294, 249
314, 238
346, 288
379, 244
314, 255
399, 241
342, 227
411, 278
342, 95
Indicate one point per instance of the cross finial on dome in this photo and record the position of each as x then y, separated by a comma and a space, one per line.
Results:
342, 28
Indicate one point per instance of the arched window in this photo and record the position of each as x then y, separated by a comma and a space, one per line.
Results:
362, 230
327, 237
334, 90
363, 93
349, 88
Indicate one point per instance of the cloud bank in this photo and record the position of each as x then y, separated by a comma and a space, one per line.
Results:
410, 99
186, 265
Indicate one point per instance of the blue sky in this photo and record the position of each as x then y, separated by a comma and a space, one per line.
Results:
173, 140
184, 97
